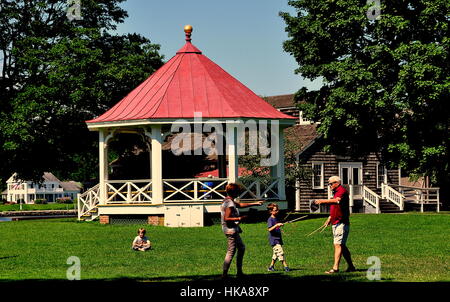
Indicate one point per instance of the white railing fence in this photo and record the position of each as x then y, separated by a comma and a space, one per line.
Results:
422, 196
128, 191
371, 198
197, 189
174, 190
88, 200
260, 188
393, 196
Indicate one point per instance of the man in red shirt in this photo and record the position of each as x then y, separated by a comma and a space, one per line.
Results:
340, 220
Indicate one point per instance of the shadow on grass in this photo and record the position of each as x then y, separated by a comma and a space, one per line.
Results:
8, 257
276, 284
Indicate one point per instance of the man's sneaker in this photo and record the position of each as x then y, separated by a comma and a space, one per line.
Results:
287, 269
271, 269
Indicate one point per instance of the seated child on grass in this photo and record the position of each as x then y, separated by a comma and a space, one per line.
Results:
141, 242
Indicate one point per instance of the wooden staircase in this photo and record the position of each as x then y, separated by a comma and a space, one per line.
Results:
87, 204
389, 207
90, 215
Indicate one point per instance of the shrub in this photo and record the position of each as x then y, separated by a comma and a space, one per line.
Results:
40, 201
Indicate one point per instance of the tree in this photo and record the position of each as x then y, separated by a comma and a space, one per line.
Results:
385, 68
57, 72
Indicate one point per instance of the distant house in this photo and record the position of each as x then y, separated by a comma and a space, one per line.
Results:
50, 189
367, 177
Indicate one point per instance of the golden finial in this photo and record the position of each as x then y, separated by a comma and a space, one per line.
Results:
188, 30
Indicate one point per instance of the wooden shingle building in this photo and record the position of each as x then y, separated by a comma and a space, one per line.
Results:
373, 187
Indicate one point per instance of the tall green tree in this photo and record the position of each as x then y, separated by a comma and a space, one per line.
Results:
385, 67
59, 68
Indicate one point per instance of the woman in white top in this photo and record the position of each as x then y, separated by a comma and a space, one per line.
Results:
230, 219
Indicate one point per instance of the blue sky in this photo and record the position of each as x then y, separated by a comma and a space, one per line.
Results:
244, 37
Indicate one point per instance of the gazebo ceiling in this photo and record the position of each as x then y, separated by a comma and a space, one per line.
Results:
189, 83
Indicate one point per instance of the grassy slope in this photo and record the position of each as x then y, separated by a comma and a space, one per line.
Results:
412, 247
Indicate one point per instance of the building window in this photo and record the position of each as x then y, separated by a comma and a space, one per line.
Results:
381, 175
317, 175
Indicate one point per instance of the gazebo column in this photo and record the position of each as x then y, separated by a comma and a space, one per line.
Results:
222, 154
156, 164
231, 143
277, 170
103, 164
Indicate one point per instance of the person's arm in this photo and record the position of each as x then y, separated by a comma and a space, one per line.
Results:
227, 216
275, 226
328, 201
134, 244
248, 204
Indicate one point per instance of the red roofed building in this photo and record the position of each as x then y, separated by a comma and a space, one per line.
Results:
189, 90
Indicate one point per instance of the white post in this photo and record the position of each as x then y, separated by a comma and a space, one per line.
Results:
156, 164
280, 166
277, 170
421, 201
437, 197
103, 165
231, 141
351, 189
297, 195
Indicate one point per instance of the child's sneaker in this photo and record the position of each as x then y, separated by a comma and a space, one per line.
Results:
287, 269
271, 269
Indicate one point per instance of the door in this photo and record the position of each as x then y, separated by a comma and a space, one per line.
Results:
351, 174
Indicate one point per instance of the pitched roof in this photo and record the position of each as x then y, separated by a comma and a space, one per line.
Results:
301, 136
70, 185
281, 101
186, 84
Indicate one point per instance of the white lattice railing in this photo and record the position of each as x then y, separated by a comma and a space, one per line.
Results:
264, 188
129, 191
174, 190
197, 189
88, 201
393, 196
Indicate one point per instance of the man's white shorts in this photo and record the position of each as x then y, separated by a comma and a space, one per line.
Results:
340, 233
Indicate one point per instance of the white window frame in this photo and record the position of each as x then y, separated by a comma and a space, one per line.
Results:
321, 185
378, 176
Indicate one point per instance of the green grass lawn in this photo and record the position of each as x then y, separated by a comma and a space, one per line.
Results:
36, 207
411, 247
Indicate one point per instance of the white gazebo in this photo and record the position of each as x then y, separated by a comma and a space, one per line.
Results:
188, 94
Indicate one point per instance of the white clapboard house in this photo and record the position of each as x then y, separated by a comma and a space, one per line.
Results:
50, 189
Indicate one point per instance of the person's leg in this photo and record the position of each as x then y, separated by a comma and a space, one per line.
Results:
338, 232
348, 258
240, 254
337, 256
147, 246
274, 258
280, 255
231, 249
345, 251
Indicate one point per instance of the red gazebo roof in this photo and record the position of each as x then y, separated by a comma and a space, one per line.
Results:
189, 83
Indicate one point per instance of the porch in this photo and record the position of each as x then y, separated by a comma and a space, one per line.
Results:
204, 195
393, 199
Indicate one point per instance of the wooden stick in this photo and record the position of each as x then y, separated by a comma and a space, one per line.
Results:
321, 227
296, 219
